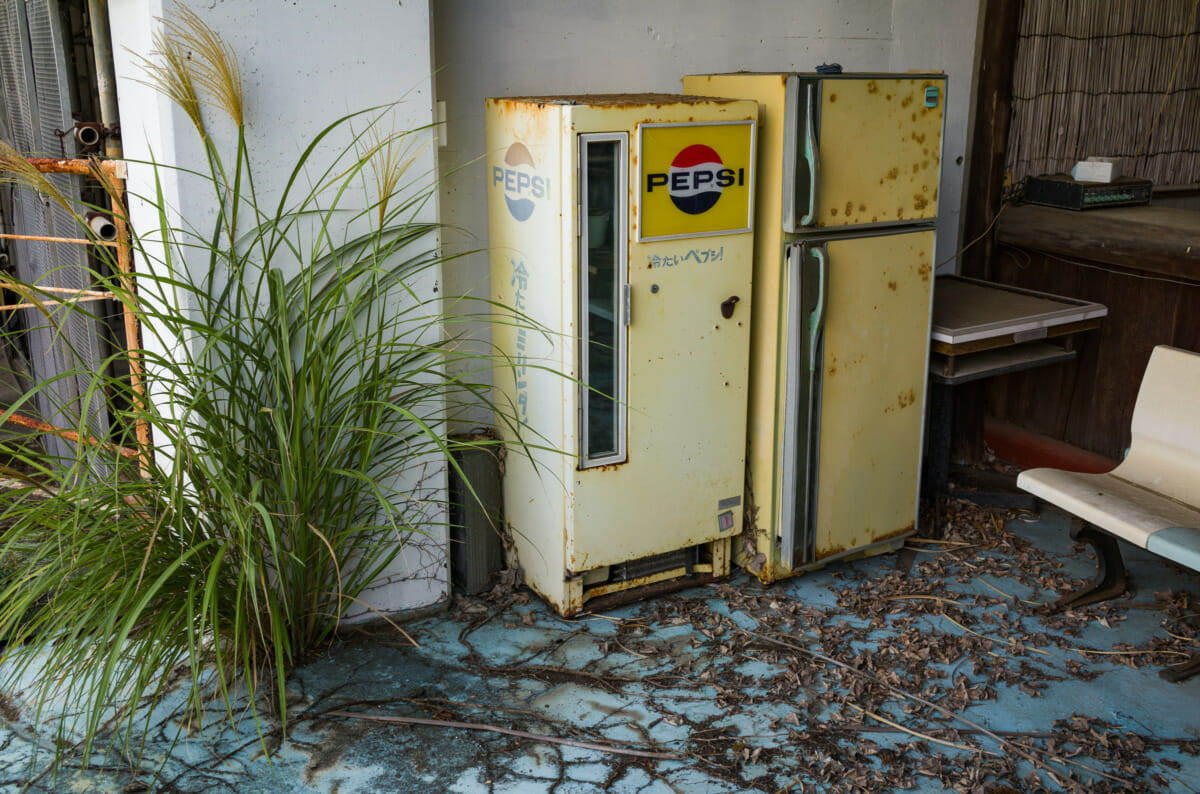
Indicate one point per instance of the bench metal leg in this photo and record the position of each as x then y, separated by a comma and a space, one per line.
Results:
1110, 580
1181, 671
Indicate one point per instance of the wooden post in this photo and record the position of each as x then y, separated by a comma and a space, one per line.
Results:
989, 142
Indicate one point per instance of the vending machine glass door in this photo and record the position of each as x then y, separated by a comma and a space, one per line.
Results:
603, 321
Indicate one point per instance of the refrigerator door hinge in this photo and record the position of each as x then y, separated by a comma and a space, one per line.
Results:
627, 303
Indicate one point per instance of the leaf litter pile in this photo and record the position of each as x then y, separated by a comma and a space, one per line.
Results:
873, 689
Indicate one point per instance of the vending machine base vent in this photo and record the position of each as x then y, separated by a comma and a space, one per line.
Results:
659, 574
649, 566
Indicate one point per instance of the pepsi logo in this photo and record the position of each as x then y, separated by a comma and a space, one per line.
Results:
521, 183
696, 179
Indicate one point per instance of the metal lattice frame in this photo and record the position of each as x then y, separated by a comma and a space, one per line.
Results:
113, 174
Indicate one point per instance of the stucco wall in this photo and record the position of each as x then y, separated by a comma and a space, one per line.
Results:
486, 48
303, 66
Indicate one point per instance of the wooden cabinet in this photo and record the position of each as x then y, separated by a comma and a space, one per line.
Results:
1143, 263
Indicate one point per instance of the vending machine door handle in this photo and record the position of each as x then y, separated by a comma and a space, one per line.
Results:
727, 306
812, 154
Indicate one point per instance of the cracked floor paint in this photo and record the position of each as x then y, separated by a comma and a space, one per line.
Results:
929, 670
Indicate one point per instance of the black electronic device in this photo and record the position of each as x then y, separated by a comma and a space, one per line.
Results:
1060, 190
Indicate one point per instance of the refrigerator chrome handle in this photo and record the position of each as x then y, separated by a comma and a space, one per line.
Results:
817, 319
806, 547
812, 155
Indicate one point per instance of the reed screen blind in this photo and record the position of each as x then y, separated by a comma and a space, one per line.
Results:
1107, 77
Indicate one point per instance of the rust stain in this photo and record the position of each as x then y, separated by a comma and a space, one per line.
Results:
862, 207
899, 212
638, 589
914, 116
916, 168
888, 97
849, 208
605, 467
904, 530
832, 98
829, 551
892, 286
924, 270
874, 218
920, 202
651, 100
872, 87
833, 211
893, 173
908, 100
919, 137
907, 398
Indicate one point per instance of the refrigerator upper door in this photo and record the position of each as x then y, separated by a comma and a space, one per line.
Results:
861, 150
869, 393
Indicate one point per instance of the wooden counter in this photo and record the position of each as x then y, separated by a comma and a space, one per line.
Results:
1161, 240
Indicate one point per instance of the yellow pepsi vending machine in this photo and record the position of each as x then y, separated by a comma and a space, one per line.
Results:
621, 244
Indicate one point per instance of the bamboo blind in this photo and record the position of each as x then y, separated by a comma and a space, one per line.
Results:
1116, 78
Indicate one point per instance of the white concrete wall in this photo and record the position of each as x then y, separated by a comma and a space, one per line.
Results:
303, 66
488, 48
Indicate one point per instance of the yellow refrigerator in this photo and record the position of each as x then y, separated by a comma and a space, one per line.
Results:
621, 248
848, 169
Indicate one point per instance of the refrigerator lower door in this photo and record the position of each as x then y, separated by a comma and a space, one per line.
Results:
858, 407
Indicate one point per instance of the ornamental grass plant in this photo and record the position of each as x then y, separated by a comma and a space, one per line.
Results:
296, 403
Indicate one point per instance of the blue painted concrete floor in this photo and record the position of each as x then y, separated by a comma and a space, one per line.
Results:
859, 677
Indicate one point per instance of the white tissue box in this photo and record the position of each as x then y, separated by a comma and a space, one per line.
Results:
1097, 169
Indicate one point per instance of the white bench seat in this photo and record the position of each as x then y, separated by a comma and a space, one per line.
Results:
1130, 511
1152, 499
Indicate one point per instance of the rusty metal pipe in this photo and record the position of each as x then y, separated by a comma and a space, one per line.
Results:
88, 134
69, 435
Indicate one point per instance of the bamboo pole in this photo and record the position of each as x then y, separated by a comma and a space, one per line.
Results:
91, 293
53, 302
73, 240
